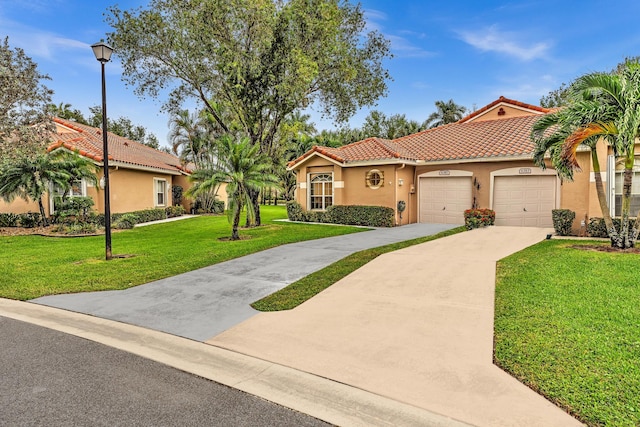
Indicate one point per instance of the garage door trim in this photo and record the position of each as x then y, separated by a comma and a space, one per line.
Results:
441, 173
524, 171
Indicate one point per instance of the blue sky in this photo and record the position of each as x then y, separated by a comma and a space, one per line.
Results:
469, 51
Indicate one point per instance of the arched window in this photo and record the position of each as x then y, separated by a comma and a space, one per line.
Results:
321, 191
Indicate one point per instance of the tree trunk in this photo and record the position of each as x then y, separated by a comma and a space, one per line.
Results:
255, 200
626, 207
602, 199
236, 223
45, 222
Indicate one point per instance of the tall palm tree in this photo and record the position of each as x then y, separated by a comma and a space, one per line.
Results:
603, 108
447, 112
244, 170
30, 177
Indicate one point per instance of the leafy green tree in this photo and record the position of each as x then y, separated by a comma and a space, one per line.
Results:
30, 177
556, 98
447, 112
260, 59
194, 141
23, 103
64, 111
377, 124
124, 127
605, 108
243, 169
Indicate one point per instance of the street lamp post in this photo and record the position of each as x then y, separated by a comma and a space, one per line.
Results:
103, 52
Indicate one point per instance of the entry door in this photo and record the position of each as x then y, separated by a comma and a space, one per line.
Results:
444, 200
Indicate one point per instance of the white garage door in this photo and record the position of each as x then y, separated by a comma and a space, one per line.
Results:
444, 200
524, 201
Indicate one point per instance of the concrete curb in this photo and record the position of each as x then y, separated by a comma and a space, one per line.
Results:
333, 402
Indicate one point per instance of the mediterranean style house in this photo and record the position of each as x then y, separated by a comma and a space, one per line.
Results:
140, 177
481, 161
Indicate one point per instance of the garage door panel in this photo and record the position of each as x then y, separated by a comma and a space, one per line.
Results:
444, 200
524, 200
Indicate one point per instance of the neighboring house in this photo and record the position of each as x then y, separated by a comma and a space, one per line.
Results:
140, 177
483, 160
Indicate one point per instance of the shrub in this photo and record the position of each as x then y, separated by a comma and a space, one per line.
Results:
218, 207
176, 195
174, 211
73, 209
370, 216
562, 221
148, 215
75, 229
30, 219
475, 218
597, 228
9, 219
126, 221
294, 211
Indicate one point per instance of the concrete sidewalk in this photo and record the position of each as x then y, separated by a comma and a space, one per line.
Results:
416, 326
202, 303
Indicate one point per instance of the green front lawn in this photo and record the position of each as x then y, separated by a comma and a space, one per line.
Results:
567, 324
33, 266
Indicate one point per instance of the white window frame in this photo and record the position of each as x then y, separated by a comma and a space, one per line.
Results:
53, 191
615, 191
156, 193
324, 196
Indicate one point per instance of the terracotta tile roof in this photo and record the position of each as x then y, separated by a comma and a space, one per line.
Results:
500, 138
484, 139
87, 141
365, 150
502, 99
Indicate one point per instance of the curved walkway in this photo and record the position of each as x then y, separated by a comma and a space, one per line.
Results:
202, 303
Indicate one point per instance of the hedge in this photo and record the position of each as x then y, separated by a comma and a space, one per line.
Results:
597, 228
563, 221
9, 219
368, 216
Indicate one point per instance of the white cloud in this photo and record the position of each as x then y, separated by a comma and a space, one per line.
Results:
494, 40
405, 49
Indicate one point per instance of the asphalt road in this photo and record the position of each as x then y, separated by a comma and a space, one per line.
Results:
54, 379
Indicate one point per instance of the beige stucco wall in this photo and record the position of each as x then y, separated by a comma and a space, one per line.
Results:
509, 112
579, 195
21, 206
132, 190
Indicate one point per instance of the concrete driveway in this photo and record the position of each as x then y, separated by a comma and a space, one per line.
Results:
416, 326
205, 302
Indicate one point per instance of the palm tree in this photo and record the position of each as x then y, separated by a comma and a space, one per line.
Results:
29, 177
244, 170
447, 112
603, 108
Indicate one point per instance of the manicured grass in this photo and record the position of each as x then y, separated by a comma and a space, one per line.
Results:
567, 324
33, 266
305, 288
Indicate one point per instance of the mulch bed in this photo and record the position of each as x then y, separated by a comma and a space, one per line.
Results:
605, 248
40, 231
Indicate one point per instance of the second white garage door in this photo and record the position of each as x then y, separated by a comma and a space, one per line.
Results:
525, 201
444, 200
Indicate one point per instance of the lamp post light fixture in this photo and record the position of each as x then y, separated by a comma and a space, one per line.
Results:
103, 52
